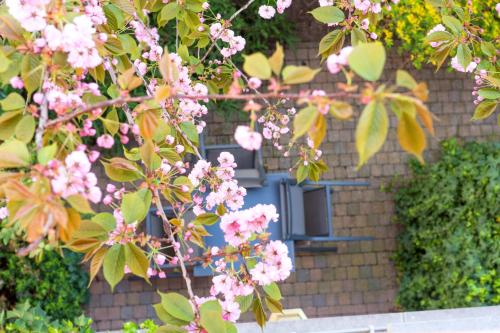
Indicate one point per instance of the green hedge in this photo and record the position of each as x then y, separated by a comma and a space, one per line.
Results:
449, 250
57, 284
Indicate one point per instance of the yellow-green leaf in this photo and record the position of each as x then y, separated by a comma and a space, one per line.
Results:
303, 121
14, 154
484, 110
96, 263
211, 317
368, 60
371, 131
136, 260
257, 65
13, 101
177, 306
80, 203
404, 79
328, 14
277, 59
114, 265
411, 136
25, 129
299, 74
111, 122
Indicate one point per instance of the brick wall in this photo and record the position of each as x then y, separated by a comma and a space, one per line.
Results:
359, 278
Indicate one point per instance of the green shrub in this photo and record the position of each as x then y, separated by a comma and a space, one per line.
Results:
449, 250
27, 319
58, 284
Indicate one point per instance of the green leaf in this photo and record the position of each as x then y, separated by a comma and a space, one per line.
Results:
302, 173
136, 260
489, 93
258, 311
10, 28
274, 305
80, 203
245, 302
453, 24
404, 79
25, 129
273, 291
371, 131
177, 306
211, 317
328, 14
368, 67
14, 154
257, 65
168, 12
135, 205
165, 317
488, 49
439, 36
303, 121
122, 170
170, 329
111, 122
357, 36
106, 220
90, 229
46, 154
464, 55
331, 43
484, 110
190, 130
298, 74
31, 73
114, 265
13, 101
206, 219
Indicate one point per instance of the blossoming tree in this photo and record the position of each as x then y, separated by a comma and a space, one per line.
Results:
74, 67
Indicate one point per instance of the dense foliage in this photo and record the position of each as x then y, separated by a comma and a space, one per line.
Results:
408, 23
58, 284
449, 251
25, 318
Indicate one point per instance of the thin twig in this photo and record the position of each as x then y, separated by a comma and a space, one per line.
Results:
140, 99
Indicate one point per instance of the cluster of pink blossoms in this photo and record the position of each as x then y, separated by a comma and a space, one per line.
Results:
335, 62
236, 43
31, 13
150, 37
248, 138
275, 265
223, 188
275, 125
74, 177
239, 226
123, 232
267, 12
455, 64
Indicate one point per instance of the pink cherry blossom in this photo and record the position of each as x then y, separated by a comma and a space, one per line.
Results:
247, 138
266, 12
105, 141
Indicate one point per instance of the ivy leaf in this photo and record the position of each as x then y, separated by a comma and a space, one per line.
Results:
484, 110
411, 136
136, 260
298, 74
328, 14
211, 317
177, 306
114, 265
257, 65
371, 131
303, 121
277, 59
368, 67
